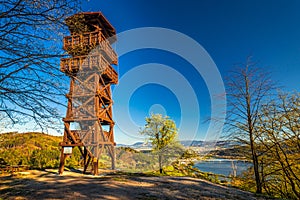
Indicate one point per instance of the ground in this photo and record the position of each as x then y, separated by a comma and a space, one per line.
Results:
73, 185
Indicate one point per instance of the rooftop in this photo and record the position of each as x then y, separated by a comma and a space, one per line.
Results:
91, 21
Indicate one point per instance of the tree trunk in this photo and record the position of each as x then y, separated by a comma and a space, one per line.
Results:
251, 137
160, 163
256, 167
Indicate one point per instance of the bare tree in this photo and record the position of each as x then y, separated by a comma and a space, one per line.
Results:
247, 87
31, 86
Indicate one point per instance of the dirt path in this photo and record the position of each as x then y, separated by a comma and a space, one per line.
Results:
45, 185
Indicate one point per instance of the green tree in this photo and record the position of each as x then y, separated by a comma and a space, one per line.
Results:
44, 158
162, 134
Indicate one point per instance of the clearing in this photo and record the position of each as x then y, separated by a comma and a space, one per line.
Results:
35, 184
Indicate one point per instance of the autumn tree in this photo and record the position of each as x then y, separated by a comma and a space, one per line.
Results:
161, 132
247, 87
31, 86
279, 124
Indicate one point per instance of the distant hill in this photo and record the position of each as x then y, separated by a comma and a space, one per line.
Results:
200, 143
31, 140
135, 145
187, 143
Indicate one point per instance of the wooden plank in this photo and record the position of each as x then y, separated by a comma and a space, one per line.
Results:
62, 144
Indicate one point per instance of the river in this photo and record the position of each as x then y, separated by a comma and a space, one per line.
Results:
223, 166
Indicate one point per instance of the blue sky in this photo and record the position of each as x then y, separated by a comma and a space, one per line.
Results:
174, 56
228, 30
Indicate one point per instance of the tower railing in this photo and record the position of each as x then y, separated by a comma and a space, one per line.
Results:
90, 62
90, 40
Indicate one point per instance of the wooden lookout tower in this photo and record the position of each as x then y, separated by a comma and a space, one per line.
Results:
89, 122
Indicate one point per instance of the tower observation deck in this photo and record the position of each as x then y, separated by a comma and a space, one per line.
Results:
89, 121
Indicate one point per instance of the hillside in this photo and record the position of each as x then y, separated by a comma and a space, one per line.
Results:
40, 151
17, 148
36, 150
31, 139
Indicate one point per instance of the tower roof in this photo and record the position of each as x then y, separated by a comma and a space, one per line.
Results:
91, 21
